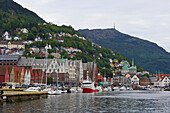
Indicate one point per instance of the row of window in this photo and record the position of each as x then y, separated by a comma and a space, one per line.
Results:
7, 64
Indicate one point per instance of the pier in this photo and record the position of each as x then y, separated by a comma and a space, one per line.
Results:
20, 95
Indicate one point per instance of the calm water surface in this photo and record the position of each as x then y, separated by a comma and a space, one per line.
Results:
127, 101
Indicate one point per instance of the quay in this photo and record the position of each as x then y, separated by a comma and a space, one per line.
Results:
16, 96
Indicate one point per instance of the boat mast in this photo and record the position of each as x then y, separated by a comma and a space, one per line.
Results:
46, 64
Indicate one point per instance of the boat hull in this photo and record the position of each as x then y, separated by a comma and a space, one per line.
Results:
89, 90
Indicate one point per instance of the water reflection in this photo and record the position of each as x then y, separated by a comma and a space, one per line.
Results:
128, 101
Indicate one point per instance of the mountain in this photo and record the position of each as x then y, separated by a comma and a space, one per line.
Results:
14, 17
15, 9
146, 54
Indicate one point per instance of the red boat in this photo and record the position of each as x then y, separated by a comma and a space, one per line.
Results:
89, 87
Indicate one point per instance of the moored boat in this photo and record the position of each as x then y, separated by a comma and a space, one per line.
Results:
115, 88
33, 89
122, 88
88, 87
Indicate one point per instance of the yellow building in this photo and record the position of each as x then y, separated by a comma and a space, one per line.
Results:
11, 45
12, 75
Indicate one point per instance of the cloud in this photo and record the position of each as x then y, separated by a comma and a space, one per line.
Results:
147, 19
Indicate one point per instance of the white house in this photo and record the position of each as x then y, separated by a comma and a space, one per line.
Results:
17, 38
135, 80
24, 30
48, 47
162, 81
38, 39
6, 36
35, 49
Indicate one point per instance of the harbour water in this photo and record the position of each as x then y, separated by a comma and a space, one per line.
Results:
125, 101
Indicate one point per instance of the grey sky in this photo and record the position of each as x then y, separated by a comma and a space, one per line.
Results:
147, 19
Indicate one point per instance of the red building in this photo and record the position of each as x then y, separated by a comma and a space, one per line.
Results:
100, 78
36, 76
5, 74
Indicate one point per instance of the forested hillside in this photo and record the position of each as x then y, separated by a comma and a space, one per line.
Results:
146, 54
13, 17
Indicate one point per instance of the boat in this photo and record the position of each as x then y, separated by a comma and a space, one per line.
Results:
33, 89
105, 89
115, 88
73, 90
79, 90
88, 87
109, 88
122, 88
99, 89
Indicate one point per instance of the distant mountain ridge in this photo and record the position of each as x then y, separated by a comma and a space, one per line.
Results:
147, 54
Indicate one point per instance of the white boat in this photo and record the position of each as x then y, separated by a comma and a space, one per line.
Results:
79, 90
63, 91
88, 87
33, 89
122, 88
105, 89
73, 90
51, 92
109, 89
58, 92
99, 89
116, 88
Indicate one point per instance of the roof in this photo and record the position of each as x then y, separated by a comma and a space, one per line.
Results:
40, 63
100, 77
9, 58
125, 66
132, 67
25, 61
60, 38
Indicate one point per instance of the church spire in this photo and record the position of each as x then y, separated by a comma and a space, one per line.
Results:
132, 61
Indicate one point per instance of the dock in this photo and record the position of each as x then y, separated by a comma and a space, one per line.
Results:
20, 95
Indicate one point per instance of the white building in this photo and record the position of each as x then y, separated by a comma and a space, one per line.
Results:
17, 38
162, 81
24, 30
135, 80
27, 78
6, 36
38, 39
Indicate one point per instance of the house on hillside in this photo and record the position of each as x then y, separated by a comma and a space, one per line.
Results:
17, 38
60, 39
35, 49
38, 39
6, 36
24, 31
11, 45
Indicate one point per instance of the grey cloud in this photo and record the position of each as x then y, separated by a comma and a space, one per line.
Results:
147, 19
